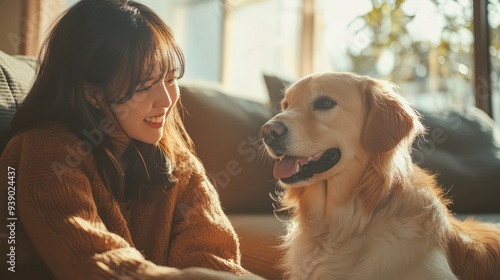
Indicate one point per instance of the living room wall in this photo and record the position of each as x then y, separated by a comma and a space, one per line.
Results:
10, 16
24, 24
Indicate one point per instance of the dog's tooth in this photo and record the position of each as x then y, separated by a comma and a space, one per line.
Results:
317, 156
298, 168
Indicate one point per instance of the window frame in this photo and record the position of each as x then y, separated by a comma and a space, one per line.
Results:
482, 62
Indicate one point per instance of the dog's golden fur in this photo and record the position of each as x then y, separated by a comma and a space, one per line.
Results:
374, 215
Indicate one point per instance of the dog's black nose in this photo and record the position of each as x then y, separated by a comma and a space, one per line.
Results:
273, 132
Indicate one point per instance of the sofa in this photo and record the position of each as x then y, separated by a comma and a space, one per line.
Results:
462, 147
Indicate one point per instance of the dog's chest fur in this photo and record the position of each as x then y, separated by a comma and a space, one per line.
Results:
347, 246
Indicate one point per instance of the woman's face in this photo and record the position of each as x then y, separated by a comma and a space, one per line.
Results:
143, 116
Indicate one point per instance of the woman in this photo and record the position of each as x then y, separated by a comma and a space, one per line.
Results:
103, 178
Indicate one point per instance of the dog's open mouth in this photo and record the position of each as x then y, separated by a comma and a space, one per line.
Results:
292, 169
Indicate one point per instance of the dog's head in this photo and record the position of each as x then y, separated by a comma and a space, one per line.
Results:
333, 122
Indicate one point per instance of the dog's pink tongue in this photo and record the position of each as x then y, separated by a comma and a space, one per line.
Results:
286, 167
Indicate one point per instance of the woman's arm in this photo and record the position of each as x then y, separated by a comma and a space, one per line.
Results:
62, 221
202, 235
58, 212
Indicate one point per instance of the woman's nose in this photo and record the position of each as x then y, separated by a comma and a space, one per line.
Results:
164, 95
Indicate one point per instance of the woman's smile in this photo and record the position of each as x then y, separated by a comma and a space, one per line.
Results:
156, 121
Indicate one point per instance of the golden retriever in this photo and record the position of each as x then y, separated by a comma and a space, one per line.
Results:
360, 208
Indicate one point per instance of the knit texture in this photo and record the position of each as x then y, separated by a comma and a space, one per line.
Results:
69, 227
16, 76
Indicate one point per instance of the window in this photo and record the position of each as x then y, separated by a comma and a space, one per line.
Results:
262, 37
197, 26
425, 46
235, 42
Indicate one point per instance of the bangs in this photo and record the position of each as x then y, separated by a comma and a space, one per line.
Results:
152, 52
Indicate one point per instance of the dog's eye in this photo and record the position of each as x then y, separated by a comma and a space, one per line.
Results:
323, 103
284, 105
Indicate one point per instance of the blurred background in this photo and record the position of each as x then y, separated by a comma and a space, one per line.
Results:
441, 53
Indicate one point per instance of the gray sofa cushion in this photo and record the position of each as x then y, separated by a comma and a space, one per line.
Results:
16, 76
462, 147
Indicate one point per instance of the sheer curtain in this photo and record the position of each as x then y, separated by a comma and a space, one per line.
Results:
261, 37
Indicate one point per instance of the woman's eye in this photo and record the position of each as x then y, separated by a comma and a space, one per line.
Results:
324, 103
143, 89
170, 80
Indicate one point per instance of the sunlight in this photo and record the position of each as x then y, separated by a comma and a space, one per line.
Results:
428, 23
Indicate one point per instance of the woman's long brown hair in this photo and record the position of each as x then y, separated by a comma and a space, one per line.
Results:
113, 45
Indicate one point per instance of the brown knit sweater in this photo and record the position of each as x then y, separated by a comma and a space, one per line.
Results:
69, 227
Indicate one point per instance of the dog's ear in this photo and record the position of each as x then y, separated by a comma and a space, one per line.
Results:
388, 119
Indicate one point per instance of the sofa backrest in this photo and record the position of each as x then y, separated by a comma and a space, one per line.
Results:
462, 146
225, 130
